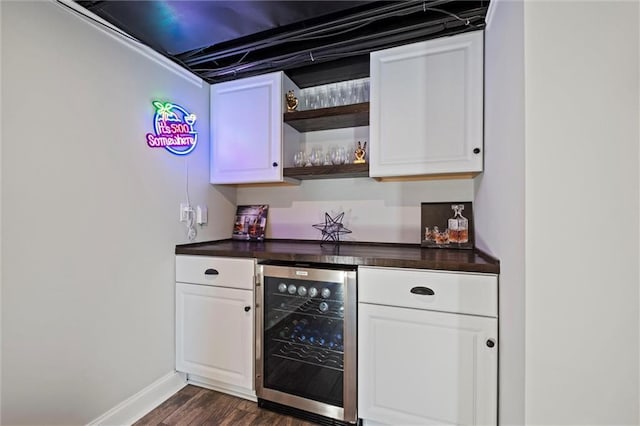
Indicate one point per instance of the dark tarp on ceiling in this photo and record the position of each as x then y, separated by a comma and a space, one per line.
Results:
223, 40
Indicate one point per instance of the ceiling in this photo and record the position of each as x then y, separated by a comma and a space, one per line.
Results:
315, 42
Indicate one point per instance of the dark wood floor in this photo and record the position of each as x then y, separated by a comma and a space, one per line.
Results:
193, 405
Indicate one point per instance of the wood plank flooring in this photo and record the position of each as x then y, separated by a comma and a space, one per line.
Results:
193, 405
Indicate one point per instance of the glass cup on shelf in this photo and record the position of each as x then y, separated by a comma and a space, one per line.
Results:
333, 93
343, 93
309, 98
346, 92
305, 99
322, 97
361, 91
327, 159
338, 155
365, 90
316, 157
300, 159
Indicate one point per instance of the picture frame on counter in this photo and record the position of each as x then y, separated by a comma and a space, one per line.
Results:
447, 225
250, 222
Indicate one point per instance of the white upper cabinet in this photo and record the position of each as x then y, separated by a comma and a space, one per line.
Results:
427, 107
246, 130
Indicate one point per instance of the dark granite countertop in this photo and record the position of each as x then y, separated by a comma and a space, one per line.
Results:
349, 253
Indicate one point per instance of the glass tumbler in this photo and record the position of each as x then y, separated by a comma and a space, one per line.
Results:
338, 155
316, 157
299, 159
362, 91
322, 97
327, 159
310, 98
343, 93
333, 93
351, 92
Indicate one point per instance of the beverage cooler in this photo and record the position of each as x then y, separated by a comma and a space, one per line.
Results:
306, 339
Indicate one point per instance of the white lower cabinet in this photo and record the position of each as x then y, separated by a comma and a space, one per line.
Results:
215, 324
422, 366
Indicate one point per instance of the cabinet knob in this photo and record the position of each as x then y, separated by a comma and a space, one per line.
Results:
247, 308
211, 271
476, 150
491, 343
423, 291
275, 164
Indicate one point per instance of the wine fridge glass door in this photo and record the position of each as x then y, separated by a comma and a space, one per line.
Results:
303, 338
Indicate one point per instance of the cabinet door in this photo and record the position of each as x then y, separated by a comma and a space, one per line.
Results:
214, 333
425, 367
427, 107
246, 130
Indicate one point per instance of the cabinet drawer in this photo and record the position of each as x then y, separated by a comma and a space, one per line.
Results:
218, 271
438, 291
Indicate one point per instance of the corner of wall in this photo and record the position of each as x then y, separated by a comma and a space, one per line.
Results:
127, 40
491, 10
1, 85
140, 404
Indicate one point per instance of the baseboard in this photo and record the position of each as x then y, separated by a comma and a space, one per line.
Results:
222, 387
135, 407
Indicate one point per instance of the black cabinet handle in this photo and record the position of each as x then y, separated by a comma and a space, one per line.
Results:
422, 291
275, 164
491, 343
247, 308
476, 150
211, 271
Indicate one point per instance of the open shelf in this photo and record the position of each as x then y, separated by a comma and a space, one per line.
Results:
339, 117
328, 172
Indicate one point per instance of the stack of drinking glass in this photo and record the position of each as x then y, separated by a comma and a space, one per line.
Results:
334, 94
317, 157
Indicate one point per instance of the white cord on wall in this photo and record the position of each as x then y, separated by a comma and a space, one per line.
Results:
190, 212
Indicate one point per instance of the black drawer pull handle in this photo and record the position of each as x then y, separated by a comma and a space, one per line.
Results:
422, 291
247, 308
211, 272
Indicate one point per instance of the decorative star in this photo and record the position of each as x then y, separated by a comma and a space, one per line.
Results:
332, 228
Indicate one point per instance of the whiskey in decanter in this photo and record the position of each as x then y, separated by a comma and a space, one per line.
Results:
458, 225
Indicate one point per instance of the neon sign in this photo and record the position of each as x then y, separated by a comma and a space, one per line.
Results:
173, 127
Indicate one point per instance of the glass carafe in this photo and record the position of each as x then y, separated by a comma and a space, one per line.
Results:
458, 225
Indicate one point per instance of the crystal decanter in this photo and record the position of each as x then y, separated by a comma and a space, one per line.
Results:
458, 226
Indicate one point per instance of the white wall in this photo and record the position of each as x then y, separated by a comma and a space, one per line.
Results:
499, 197
89, 216
581, 68
374, 211
1, 7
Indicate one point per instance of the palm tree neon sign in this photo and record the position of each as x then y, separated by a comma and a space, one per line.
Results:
173, 126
